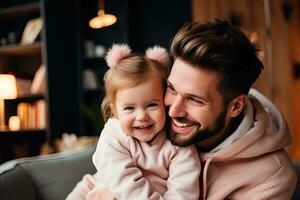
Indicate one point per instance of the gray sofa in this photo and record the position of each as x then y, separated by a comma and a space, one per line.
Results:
44, 178
53, 177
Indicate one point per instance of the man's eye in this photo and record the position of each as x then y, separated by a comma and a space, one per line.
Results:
171, 89
196, 101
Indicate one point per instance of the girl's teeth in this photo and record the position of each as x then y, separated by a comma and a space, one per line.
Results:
144, 126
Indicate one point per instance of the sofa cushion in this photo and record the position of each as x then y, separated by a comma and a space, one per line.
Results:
46, 177
16, 185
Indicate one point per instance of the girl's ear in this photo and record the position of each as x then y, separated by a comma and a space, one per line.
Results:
236, 106
113, 109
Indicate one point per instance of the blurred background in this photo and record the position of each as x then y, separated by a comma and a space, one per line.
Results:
52, 65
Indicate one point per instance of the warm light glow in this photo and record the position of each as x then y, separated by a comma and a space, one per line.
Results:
8, 88
14, 123
102, 21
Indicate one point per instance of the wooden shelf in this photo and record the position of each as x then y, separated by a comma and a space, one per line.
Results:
20, 10
27, 98
22, 132
30, 97
19, 50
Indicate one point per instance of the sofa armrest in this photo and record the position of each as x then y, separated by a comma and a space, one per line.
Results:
49, 177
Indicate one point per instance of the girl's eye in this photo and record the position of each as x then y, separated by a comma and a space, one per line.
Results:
152, 104
129, 108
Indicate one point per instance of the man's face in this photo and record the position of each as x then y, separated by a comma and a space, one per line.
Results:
195, 105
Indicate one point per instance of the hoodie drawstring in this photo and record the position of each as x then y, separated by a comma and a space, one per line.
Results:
204, 180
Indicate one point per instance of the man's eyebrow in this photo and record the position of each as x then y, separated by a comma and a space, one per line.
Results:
206, 99
169, 83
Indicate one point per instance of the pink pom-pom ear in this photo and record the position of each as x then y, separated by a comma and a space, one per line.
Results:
116, 54
158, 54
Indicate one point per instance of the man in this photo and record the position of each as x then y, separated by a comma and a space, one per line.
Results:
240, 136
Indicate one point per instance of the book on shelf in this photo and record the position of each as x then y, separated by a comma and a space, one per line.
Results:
23, 86
32, 115
39, 81
90, 80
31, 31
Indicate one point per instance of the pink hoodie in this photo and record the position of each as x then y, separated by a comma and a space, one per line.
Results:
255, 166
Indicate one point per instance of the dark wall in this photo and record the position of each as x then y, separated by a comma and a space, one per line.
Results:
62, 56
156, 22
141, 23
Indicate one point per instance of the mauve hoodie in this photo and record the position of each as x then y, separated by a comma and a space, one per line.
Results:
255, 166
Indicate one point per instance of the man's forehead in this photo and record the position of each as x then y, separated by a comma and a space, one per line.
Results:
190, 79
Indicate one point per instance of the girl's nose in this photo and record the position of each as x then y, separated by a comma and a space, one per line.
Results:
142, 115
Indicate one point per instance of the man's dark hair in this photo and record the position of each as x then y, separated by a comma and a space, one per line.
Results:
222, 47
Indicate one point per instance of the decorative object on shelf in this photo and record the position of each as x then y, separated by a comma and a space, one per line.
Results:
39, 81
89, 49
23, 87
3, 41
100, 51
14, 123
102, 20
11, 38
70, 141
8, 90
31, 31
90, 80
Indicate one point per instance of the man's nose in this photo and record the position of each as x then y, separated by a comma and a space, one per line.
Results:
177, 107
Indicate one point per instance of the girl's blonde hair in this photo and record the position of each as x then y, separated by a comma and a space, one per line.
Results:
129, 72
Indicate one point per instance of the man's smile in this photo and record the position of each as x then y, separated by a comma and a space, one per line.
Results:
183, 127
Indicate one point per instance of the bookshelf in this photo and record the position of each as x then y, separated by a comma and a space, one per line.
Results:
19, 50
19, 10
57, 48
22, 61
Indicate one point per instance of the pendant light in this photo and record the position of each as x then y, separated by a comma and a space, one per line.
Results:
102, 20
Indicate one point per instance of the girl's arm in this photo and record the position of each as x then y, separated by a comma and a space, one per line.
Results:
118, 170
184, 172
83, 187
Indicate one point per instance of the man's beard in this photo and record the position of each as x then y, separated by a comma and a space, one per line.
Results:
197, 136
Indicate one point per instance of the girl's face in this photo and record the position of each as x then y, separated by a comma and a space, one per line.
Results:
141, 110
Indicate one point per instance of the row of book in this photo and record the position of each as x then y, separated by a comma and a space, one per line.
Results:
32, 115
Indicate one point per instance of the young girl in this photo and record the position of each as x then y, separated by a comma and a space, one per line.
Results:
133, 156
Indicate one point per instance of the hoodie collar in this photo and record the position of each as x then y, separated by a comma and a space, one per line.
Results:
269, 133
243, 128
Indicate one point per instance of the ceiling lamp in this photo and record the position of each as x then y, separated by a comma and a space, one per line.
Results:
102, 19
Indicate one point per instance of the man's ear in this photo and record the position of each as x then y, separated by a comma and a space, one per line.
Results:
237, 105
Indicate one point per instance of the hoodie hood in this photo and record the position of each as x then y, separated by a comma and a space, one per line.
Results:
269, 133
